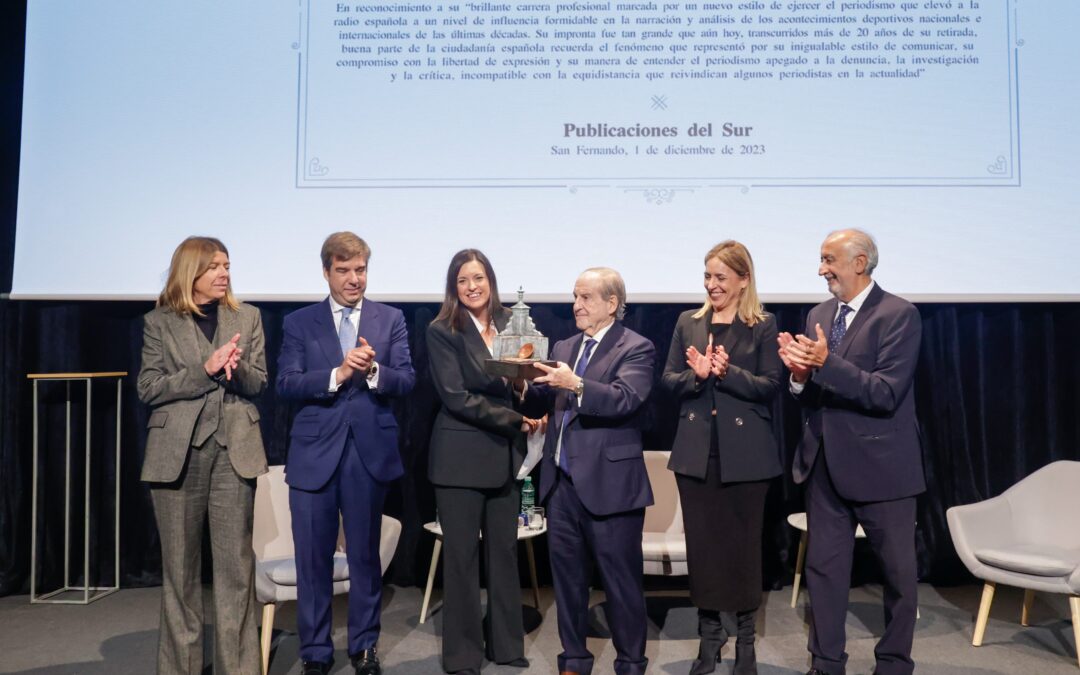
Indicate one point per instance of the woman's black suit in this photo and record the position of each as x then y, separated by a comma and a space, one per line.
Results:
476, 450
723, 456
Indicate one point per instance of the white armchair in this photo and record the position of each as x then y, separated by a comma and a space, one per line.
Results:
663, 541
1025, 537
275, 567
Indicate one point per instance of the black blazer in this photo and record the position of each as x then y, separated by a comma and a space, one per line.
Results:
477, 439
742, 400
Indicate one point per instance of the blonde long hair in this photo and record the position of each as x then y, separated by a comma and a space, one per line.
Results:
190, 261
737, 257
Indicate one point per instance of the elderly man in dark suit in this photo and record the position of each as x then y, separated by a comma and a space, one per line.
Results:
859, 455
593, 480
342, 360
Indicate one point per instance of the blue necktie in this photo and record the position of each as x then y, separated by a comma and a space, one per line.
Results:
579, 370
839, 327
346, 331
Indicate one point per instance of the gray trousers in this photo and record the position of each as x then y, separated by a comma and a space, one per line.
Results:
210, 489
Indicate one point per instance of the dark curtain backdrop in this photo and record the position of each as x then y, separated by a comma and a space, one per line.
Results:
996, 392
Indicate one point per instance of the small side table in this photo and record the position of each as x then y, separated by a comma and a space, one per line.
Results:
523, 534
69, 586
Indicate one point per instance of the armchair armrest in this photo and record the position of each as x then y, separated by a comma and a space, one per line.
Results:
985, 524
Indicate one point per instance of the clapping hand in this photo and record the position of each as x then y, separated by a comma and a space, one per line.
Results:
357, 360
800, 354
718, 364
226, 357
700, 363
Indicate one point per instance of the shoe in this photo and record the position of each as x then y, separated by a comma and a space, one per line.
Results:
314, 668
815, 671
713, 638
519, 662
745, 656
366, 662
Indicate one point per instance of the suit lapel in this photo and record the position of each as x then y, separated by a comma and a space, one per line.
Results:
734, 334
699, 333
566, 397
864, 314
326, 334
604, 352
228, 325
369, 316
474, 345
188, 337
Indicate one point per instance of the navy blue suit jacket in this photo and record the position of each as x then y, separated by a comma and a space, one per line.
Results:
309, 351
603, 435
860, 406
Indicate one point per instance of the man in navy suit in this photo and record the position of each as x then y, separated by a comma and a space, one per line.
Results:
859, 454
593, 480
342, 360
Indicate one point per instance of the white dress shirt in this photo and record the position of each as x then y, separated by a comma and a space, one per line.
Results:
480, 329
855, 305
354, 319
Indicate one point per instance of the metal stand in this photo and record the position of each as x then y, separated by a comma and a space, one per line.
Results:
69, 586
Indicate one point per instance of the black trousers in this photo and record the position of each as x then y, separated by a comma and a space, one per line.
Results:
499, 633
890, 529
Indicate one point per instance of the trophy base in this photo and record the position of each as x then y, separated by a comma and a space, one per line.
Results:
516, 368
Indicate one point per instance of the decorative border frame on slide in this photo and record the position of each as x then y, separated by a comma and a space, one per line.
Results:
1003, 170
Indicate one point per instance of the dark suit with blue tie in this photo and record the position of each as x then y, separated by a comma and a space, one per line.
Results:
861, 461
596, 506
343, 452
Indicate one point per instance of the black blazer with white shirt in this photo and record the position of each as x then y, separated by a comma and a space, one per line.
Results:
477, 440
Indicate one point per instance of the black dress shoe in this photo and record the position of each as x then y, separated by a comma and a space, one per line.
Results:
519, 662
366, 662
314, 668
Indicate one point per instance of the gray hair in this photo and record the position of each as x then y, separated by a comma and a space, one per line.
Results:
611, 283
859, 242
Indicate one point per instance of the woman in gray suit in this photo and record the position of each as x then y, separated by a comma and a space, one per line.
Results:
202, 364
725, 371
477, 446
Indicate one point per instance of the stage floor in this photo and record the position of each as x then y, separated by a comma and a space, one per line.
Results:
118, 634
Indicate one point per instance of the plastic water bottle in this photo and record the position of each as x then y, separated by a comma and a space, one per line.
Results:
528, 498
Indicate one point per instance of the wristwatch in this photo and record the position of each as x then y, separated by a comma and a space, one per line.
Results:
373, 370
580, 388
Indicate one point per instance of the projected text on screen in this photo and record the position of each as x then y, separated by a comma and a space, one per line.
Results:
482, 93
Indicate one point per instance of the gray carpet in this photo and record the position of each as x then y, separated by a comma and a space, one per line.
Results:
118, 634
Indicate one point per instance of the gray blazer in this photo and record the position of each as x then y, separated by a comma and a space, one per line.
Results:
174, 383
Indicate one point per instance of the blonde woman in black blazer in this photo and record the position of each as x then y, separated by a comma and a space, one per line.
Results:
477, 446
725, 371
203, 363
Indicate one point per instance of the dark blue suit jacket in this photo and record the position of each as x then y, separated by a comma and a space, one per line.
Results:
603, 435
309, 351
860, 406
